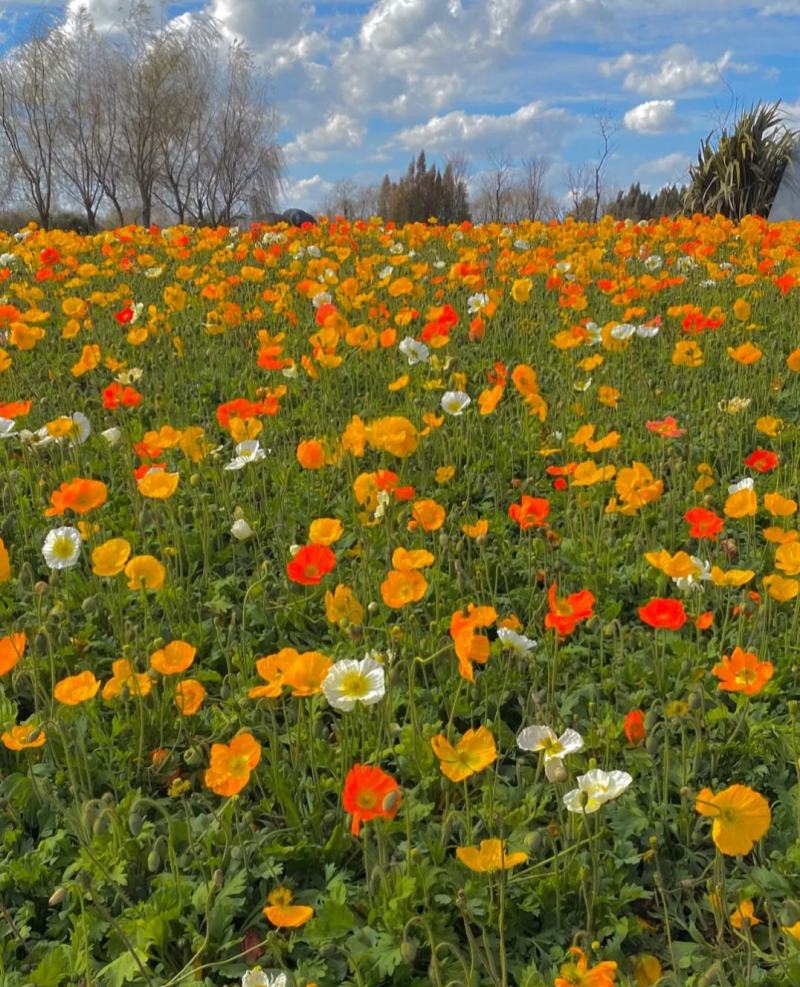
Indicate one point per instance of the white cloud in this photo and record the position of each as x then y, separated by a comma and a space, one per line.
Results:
392, 24
671, 71
557, 12
304, 193
339, 133
459, 130
653, 117
669, 168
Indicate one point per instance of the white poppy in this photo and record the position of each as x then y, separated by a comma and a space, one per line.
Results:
62, 548
701, 572
241, 530
7, 428
476, 302
386, 272
249, 451
595, 334
623, 332
258, 978
455, 402
647, 332
745, 484
514, 641
595, 788
112, 435
350, 681
414, 350
321, 298
540, 738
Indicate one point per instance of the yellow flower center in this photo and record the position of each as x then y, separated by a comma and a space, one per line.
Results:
62, 547
355, 685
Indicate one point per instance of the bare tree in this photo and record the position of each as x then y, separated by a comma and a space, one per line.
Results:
607, 128
580, 183
31, 104
534, 172
494, 186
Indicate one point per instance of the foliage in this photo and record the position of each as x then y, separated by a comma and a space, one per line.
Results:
424, 192
738, 172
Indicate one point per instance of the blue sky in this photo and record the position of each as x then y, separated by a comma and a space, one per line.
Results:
360, 87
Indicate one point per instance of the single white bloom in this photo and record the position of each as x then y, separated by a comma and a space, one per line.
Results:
384, 499
515, 642
647, 332
321, 298
414, 350
313, 250
258, 978
439, 264
62, 548
595, 788
746, 484
584, 386
291, 372
154, 272
708, 283
7, 428
595, 334
623, 332
8, 259
81, 429
386, 272
540, 738
654, 262
112, 435
241, 530
701, 572
455, 402
350, 681
563, 265
249, 451
476, 302
397, 248
522, 245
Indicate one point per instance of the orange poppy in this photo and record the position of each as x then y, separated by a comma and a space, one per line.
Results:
567, 612
475, 751
231, 765
189, 696
306, 672
12, 648
369, 793
77, 495
282, 913
663, 614
741, 817
403, 587
124, 677
530, 512
742, 672
76, 689
22, 736
176, 657
578, 973
427, 514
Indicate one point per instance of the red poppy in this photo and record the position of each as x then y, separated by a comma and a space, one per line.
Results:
704, 524
762, 460
667, 428
634, 727
115, 395
530, 512
310, 564
663, 614
566, 612
369, 793
124, 316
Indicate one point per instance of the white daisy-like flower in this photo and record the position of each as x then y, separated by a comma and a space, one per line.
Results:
455, 402
595, 788
62, 548
241, 530
745, 484
350, 681
321, 298
414, 350
7, 428
249, 451
515, 642
476, 302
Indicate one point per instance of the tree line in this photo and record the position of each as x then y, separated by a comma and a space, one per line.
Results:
171, 119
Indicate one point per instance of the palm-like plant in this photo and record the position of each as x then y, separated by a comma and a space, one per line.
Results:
741, 175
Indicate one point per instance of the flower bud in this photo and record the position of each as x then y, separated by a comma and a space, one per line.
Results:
241, 530
57, 897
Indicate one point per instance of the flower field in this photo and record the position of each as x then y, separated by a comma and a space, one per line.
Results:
409, 606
